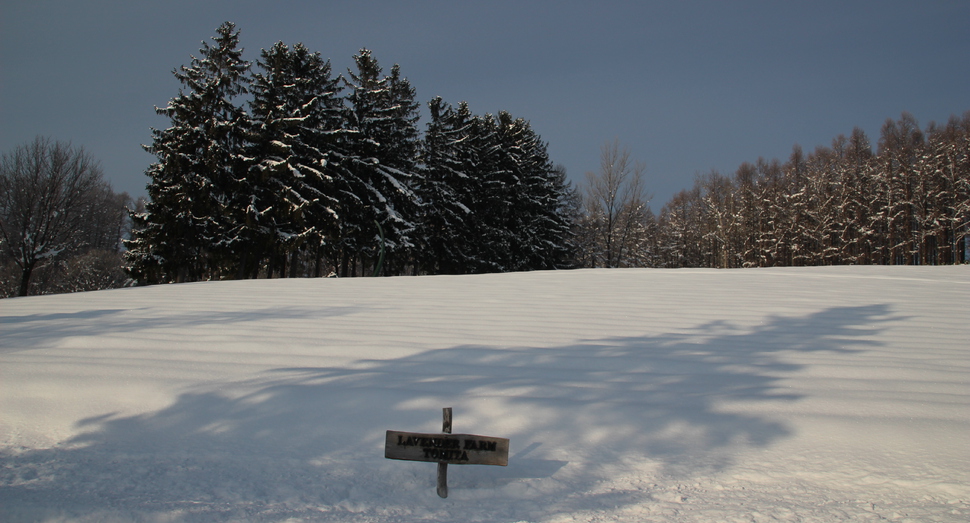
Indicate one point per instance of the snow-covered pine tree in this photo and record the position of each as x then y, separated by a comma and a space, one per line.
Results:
447, 190
522, 223
189, 231
297, 121
547, 230
492, 202
381, 165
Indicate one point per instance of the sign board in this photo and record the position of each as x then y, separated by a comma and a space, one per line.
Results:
454, 449
445, 448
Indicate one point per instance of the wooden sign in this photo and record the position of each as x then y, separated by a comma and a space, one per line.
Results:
454, 449
446, 448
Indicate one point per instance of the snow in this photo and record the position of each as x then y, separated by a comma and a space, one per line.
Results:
802, 394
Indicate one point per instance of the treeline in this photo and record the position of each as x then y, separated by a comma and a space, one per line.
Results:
907, 204
292, 171
287, 170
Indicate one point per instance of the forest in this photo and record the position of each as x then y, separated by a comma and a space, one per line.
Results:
281, 168
908, 203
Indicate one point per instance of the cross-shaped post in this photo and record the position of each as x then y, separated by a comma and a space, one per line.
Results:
446, 448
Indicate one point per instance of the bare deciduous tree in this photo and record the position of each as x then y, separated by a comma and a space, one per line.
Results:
51, 195
615, 204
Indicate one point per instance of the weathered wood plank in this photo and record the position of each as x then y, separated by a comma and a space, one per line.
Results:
443, 466
455, 449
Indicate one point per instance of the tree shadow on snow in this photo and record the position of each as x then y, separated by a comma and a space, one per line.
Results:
35, 331
299, 441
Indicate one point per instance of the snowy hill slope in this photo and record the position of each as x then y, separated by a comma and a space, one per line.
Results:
811, 394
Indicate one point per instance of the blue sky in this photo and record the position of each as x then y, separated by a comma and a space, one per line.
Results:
687, 87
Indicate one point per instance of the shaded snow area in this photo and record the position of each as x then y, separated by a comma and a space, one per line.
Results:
808, 394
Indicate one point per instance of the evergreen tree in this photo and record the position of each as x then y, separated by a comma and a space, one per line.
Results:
546, 227
381, 169
491, 199
447, 190
523, 224
495, 199
190, 229
297, 120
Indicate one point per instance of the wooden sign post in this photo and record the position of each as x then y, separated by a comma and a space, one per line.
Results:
445, 448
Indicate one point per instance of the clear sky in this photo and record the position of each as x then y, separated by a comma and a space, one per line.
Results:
687, 86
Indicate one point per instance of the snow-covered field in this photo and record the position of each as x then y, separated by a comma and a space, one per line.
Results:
810, 394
